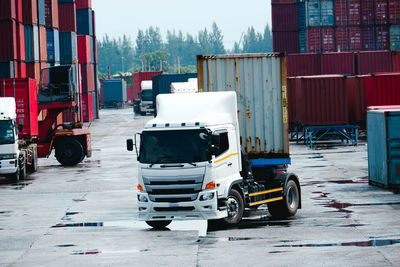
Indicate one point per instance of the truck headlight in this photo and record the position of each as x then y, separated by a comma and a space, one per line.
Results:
8, 156
207, 196
142, 198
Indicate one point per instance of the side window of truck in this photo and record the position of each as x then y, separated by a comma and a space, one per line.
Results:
224, 143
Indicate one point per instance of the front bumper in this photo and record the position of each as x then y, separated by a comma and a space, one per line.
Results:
8, 166
192, 210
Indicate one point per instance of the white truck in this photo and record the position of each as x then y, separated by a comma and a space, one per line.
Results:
146, 97
16, 155
215, 155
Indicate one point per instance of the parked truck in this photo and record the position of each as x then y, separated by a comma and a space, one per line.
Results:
219, 155
146, 98
23, 138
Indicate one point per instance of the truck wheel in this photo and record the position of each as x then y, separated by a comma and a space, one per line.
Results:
69, 152
158, 224
14, 177
235, 206
22, 172
288, 205
34, 164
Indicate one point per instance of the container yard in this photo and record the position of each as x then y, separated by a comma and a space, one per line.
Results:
123, 151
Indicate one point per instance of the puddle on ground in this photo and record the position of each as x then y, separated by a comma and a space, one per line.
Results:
212, 240
66, 246
368, 243
5, 212
315, 166
342, 207
21, 185
89, 252
88, 224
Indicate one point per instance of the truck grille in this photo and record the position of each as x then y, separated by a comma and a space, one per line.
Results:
173, 189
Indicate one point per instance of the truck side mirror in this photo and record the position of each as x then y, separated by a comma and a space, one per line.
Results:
129, 145
215, 139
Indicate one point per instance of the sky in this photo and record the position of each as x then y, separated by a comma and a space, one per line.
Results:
233, 17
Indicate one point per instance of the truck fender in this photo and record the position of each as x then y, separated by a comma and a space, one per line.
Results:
236, 184
292, 176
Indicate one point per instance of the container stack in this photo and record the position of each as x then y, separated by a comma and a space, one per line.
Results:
137, 78
340, 25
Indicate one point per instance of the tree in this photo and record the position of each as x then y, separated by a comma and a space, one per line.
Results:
216, 40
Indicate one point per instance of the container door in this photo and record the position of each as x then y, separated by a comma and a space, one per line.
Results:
393, 144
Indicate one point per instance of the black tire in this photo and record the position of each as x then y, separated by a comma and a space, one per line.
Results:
69, 152
235, 207
288, 206
158, 224
14, 177
22, 172
143, 113
33, 167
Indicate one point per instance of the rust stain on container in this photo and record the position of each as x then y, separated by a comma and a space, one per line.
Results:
258, 144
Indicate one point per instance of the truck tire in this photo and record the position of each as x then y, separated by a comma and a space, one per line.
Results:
235, 207
69, 152
33, 167
14, 177
22, 172
288, 206
158, 224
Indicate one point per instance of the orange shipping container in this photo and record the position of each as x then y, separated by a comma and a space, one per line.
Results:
43, 44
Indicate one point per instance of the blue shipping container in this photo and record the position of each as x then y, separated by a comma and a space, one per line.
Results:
303, 41
53, 45
92, 49
6, 70
31, 35
41, 12
84, 22
320, 13
114, 90
301, 16
94, 105
384, 147
162, 83
68, 47
394, 37
66, 1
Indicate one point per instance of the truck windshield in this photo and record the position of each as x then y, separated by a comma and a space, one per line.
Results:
147, 95
6, 132
176, 146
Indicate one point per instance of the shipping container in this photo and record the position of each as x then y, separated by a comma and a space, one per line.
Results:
321, 100
313, 40
68, 47
41, 13
53, 45
114, 90
283, 1
84, 21
94, 101
347, 12
29, 12
8, 43
21, 69
303, 64
94, 23
18, 11
20, 38
338, 63
31, 35
394, 11
348, 39
138, 77
291, 102
33, 71
303, 41
374, 61
396, 61
87, 106
382, 37
320, 13
94, 51
328, 39
84, 49
355, 90
88, 77
51, 13
286, 41
382, 89
7, 69
83, 4
368, 38
284, 17
42, 44
301, 16
394, 37
24, 92
259, 81
162, 83
383, 147
66, 1
67, 17
7, 9
381, 12
367, 12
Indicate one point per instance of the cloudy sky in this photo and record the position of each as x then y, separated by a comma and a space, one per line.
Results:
118, 17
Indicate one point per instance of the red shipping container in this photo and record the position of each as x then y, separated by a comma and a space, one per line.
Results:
367, 12
26, 104
51, 13
84, 51
356, 100
354, 12
18, 10
138, 77
21, 69
284, 17
396, 61
338, 63
314, 40
321, 100
83, 4
382, 89
67, 17
42, 44
33, 71
286, 42
374, 61
291, 100
382, 37
87, 71
87, 107
381, 11
394, 11
348, 38
8, 43
354, 38
347, 12
328, 39
7, 9
303, 64
29, 12
94, 23
368, 38
20, 38
94, 50
129, 95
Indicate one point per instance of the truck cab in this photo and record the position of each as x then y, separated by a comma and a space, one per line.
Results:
146, 98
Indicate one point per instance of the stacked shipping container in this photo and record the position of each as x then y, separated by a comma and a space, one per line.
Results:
335, 25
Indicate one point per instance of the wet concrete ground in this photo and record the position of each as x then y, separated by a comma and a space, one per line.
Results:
86, 215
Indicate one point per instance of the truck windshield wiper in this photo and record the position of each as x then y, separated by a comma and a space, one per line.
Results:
156, 161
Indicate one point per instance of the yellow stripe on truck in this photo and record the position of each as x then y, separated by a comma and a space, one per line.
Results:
265, 201
266, 192
234, 154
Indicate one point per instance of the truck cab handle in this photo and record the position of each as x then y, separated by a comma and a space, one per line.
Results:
229, 163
